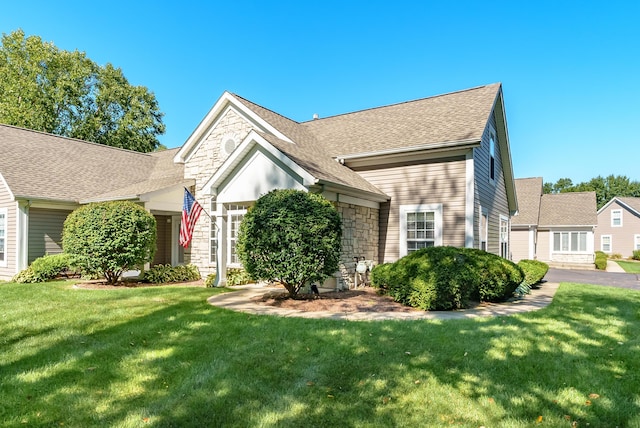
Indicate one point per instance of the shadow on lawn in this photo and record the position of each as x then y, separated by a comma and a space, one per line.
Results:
189, 364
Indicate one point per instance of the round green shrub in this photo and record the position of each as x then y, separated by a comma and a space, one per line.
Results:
445, 278
601, 260
292, 237
534, 271
44, 268
110, 237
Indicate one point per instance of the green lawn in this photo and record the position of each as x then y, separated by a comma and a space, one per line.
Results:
628, 266
164, 357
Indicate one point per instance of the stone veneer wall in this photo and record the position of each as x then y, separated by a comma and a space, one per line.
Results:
360, 229
201, 165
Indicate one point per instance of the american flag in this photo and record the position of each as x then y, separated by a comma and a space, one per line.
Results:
191, 210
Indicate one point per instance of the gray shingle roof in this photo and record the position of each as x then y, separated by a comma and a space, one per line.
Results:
37, 165
633, 203
568, 209
454, 117
528, 191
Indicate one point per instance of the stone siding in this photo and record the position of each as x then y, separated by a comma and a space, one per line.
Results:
360, 230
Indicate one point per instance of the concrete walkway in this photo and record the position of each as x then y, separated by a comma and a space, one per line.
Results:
613, 266
240, 300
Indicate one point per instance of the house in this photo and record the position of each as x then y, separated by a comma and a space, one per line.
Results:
554, 228
44, 177
619, 226
433, 171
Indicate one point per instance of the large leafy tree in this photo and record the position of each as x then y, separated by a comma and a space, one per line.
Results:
65, 93
292, 237
606, 188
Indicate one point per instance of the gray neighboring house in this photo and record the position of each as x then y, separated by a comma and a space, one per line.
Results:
44, 177
554, 228
619, 226
434, 171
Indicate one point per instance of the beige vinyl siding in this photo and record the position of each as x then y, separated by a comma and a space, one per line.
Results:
488, 195
8, 268
438, 182
519, 244
622, 238
45, 232
544, 246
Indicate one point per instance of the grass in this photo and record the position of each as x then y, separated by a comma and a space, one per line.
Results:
163, 357
629, 266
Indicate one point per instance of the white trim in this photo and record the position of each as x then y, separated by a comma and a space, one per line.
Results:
493, 138
610, 243
4, 213
618, 210
469, 200
4, 182
469, 143
636, 242
532, 242
226, 100
340, 197
483, 211
504, 219
404, 209
589, 241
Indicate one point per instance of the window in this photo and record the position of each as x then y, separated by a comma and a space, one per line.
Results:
235, 214
213, 236
484, 229
570, 242
605, 243
420, 227
492, 156
636, 242
504, 237
3, 237
616, 218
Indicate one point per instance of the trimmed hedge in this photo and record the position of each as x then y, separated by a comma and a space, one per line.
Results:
601, 260
636, 255
44, 268
444, 278
533, 270
161, 274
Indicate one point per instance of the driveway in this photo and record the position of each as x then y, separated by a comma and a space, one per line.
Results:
613, 279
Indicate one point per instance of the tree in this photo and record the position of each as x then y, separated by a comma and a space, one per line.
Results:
292, 237
51, 90
110, 237
606, 188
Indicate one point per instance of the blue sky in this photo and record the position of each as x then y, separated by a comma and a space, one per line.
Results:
570, 70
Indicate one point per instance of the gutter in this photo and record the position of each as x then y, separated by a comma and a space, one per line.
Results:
470, 143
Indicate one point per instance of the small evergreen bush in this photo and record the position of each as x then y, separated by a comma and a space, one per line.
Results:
444, 278
161, 274
534, 271
44, 268
601, 260
636, 255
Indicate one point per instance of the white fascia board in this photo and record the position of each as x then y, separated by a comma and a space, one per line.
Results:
225, 100
4, 182
239, 153
423, 147
605, 206
342, 191
622, 204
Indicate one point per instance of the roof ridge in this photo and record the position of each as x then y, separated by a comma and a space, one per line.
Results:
78, 140
400, 103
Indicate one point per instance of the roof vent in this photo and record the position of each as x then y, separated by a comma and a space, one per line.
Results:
315, 116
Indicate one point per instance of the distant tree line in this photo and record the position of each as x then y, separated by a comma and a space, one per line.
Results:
606, 188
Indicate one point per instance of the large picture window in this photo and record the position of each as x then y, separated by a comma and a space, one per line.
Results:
570, 242
420, 227
3, 237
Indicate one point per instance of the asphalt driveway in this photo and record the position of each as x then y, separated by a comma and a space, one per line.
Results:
613, 279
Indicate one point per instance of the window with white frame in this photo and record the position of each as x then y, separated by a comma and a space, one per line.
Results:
484, 229
504, 236
570, 242
636, 242
492, 156
235, 215
616, 218
605, 243
3, 237
420, 227
213, 234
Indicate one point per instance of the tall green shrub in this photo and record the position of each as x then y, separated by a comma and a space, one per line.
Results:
534, 271
601, 260
110, 237
292, 237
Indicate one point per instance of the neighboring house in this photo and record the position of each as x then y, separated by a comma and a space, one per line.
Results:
44, 177
619, 226
434, 171
553, 228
